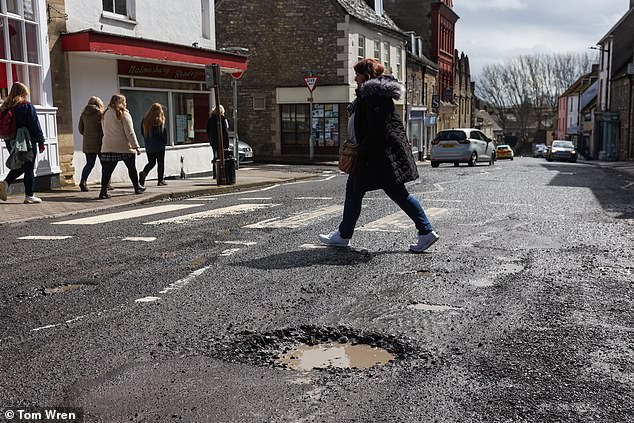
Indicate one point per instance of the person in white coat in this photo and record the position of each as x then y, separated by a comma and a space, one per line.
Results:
119, 143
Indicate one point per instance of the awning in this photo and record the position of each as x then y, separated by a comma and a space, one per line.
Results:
91, 41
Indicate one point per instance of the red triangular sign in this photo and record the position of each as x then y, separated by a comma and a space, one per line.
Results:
311, 81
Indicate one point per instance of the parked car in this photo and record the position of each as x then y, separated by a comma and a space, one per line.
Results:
562, 150
461, 145
538, 150
503, 151
245, 152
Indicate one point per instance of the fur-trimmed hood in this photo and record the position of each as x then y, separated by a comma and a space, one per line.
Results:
384, 85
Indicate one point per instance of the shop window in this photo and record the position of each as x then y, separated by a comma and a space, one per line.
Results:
190, 117
20, 58
139, 103
295, 127
325, 125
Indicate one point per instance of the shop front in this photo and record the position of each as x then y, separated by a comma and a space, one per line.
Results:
148, 72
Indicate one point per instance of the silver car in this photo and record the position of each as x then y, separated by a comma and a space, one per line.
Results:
461, 145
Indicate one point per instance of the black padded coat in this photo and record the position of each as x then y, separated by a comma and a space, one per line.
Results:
385, 156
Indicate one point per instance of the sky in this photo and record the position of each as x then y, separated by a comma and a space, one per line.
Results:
491, 31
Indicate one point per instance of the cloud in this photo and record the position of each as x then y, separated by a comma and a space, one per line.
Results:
495, 4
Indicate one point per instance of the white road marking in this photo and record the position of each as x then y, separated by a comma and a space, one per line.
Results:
45, 237
43, 327
130, 214
230, 251
397, 221
313, 246
147, 299
314, 198
297, 221
255, 198
225, 211
512, 204
139, 239
175, 286
627, 185
247, 243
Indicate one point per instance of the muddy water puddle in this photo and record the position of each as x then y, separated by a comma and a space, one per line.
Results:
345, 356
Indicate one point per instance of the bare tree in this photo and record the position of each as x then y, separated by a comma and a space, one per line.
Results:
524, 89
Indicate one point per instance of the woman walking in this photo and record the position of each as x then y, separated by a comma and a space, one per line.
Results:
90, 128
384, 161
119, 143
25, 117
217, 116
155, 136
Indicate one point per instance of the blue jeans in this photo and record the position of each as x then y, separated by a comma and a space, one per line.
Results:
27, 169
91, 158
397, 193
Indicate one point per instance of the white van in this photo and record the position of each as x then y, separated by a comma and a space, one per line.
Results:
461, 145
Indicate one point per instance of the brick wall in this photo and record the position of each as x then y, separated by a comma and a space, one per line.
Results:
285, 39
61, 92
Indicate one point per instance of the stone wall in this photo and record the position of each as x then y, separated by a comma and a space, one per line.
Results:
286, 40
61, 91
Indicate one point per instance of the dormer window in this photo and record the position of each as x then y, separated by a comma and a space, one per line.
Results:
377, 5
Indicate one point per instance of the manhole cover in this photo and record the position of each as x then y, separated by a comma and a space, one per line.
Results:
344, 356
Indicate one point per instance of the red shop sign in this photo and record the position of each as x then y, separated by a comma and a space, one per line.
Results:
158, 70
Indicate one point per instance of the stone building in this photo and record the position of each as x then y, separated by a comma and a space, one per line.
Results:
143, 50
24, 57
289, 41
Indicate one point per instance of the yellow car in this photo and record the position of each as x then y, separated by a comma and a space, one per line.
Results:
504, 151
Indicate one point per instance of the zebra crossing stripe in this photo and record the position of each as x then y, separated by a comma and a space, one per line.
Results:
397, 221
130, 214
46, 237
297, 221
224, 211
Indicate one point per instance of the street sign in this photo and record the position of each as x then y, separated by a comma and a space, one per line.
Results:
435, 101
311, 81
236, 75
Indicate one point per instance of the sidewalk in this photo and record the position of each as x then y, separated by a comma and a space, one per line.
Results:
70, 200
622, 167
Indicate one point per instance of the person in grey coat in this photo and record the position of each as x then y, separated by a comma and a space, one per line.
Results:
90, 128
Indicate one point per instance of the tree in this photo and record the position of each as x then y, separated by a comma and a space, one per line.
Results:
527, 87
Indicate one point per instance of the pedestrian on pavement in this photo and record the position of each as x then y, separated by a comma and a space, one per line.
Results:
384, 160
119, 143
28, 127
217, 116
92, 132
155, 136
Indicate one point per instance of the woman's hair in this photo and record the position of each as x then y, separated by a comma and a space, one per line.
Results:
18, 93
95, 101
153, 117
116, 104
215, 110
371, 68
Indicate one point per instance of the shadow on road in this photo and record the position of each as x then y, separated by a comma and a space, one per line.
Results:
307, 258
608, 186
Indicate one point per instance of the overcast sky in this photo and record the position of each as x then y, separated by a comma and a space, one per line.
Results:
492, 30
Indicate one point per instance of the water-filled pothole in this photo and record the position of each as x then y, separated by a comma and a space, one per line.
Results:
343, 356
62, 289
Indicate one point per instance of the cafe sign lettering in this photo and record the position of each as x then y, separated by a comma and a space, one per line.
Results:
157, 70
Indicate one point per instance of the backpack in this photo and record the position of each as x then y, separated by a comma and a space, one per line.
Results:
8, 125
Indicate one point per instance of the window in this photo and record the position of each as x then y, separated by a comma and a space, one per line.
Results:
386, 57
325, 125
20, 48
295, 127
361, 48
377, 50
118, 7
399, 58
259, 103
204, 9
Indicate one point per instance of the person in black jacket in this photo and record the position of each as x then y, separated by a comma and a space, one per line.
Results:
25, 116
155, 136
212, 130
385, 158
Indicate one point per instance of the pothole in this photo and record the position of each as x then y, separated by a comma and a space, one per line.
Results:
343, 356
62, 289
322, 348
433, 307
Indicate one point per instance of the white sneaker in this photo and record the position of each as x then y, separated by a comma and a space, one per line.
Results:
424, 242
32, 199
3, 190
334, 239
